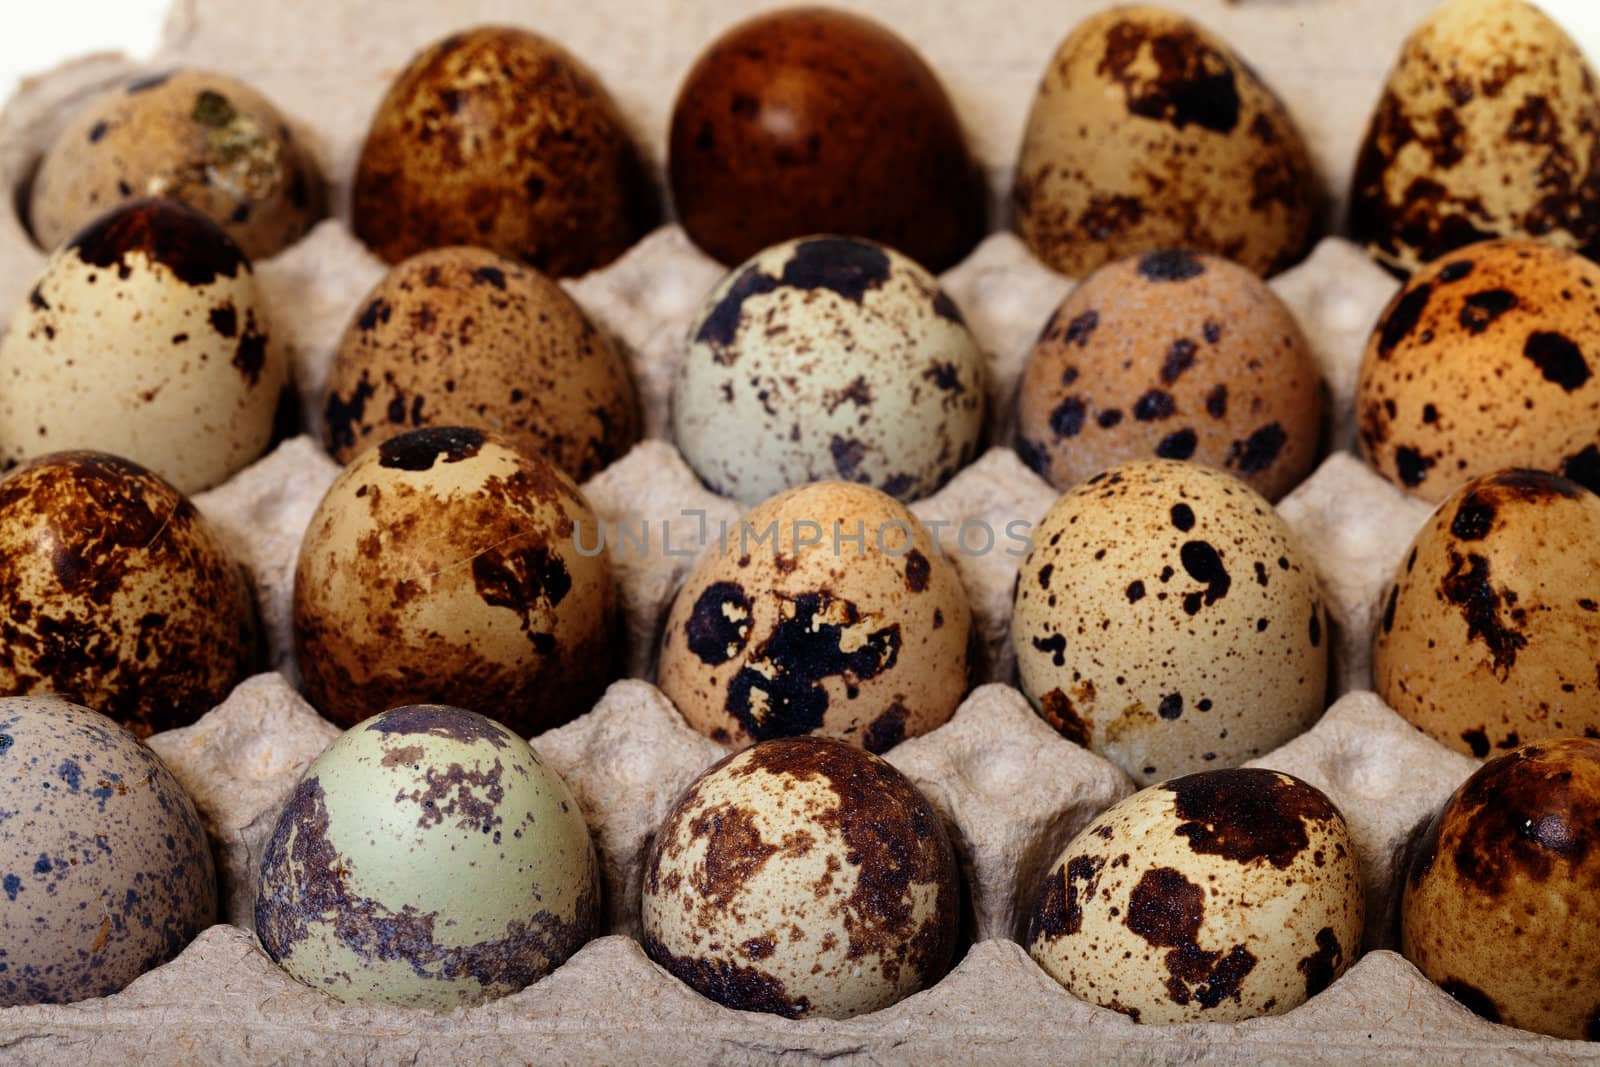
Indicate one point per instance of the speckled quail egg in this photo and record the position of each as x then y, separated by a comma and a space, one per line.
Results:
429, 858
117, 594
462, 336
1166, 619
1490, 632
144, 337
1149, 132
1178, 355
802, 877
443, 565
1482, 362
104, 865
1500, 907
1214, 897
828, 357
501, 138
786, 627
1488, 126
203, 138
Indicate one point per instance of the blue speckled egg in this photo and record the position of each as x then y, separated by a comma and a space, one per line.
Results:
104, 866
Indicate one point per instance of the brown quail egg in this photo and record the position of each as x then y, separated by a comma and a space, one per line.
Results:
1490, 632
501, 138
828, 610
116, 594
1177, 355
462, 336
828, 357
104, 865
1489, 126
1500, 908
429, 858
1482, 362
1166, 619
1214, 897
145, 337
1149, 132
445, 566
802, 877
203, 138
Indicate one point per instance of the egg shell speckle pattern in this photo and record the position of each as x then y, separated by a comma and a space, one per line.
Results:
1500, 906
870, 643
1166, 619
444, 565
802, 877
828, 357
1216, 896
104, 865
1176, 355
429, 858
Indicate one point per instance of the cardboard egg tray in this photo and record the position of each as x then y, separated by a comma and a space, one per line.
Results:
1011, 791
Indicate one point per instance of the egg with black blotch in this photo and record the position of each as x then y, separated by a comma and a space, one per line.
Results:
1213, 897
104, 863
429, 858
1167, 619
802, 877
446, 566
1177, 355
464, 337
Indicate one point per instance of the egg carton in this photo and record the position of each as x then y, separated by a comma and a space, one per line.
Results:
1011, 790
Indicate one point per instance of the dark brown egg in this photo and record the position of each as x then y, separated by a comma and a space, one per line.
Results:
501, 138
808, 121
1501, 907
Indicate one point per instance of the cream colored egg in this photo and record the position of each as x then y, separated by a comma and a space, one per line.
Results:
145, 337
1166, 619
802, 877
1214, 897
828, 610
828, 357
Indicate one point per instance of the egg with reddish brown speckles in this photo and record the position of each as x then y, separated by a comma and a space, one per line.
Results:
1166, 619
464, 337
444, 566
1483, 361
802, 877
1147, 131
117, 594
1214, 897
145, 337
428, 859
788, 626
104, 864
828, 357
1489, 634
1500, 907
1178, 355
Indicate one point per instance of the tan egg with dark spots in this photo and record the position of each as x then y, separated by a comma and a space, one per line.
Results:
444, 566
501, 138
1500, 907
802, 877
826, 610
145, 337
1488, 126
206, 139
1167, 619
116, 594
1490, 631
464, 337
1481, 362
1214, 897
1147, 132
1177, 355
